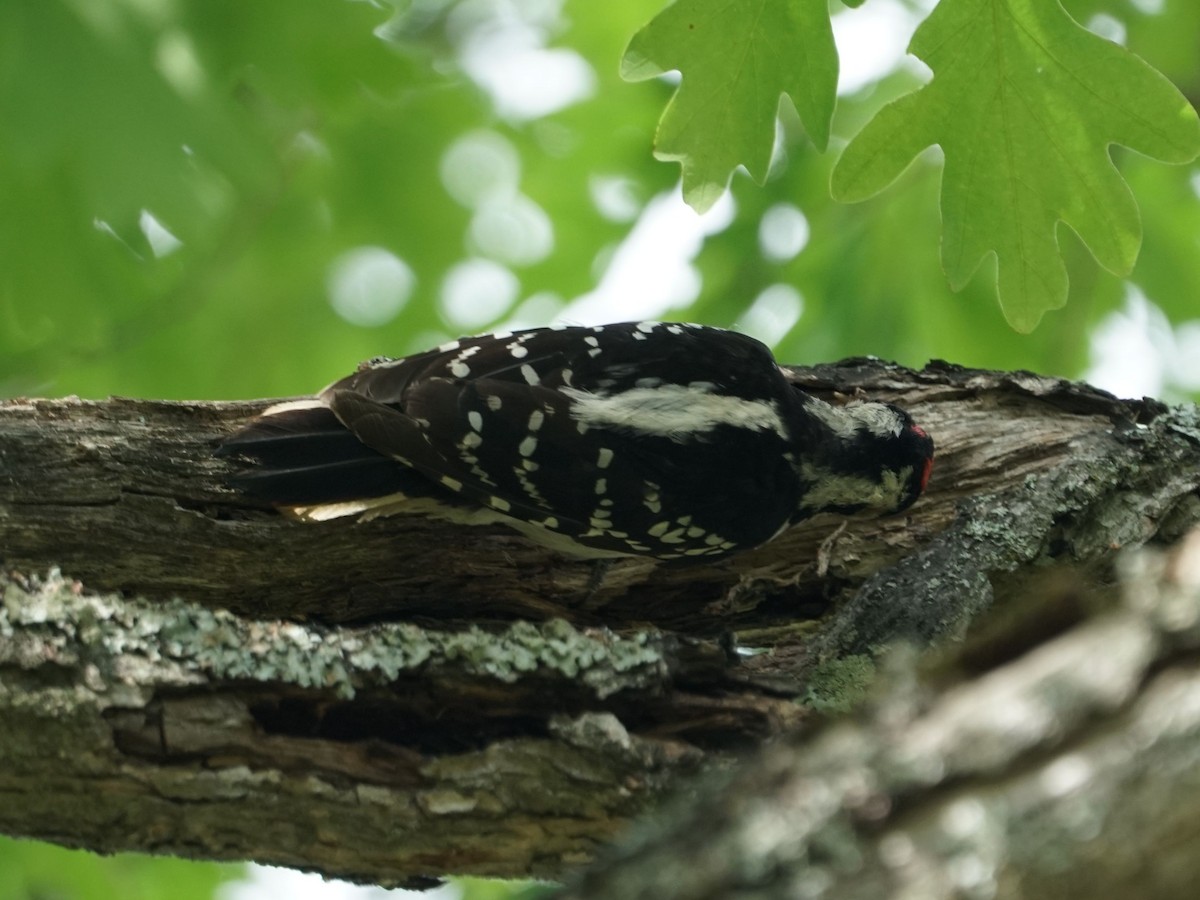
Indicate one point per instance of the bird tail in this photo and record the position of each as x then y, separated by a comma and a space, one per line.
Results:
306, 458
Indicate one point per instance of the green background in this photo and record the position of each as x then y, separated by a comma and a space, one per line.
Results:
275, 140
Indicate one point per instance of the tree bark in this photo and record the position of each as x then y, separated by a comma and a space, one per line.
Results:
1065, 767
407, 697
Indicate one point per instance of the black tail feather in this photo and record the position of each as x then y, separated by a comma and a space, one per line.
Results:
282, 436
306, 457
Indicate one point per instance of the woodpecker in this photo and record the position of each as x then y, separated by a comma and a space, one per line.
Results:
674, 441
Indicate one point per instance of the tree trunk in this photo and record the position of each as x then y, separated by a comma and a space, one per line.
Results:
407, 697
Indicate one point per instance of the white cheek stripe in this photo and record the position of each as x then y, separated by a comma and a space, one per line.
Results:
672, 410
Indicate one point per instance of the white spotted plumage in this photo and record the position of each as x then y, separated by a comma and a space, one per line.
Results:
670, 440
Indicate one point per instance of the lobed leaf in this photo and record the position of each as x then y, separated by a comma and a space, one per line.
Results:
1025, 104
737, 59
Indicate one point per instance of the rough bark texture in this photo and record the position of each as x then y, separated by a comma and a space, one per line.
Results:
378, 753
407, 697
1069, 769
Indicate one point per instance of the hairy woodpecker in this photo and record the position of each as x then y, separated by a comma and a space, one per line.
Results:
673, 441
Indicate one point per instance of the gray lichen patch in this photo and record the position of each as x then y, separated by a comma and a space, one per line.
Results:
183, 643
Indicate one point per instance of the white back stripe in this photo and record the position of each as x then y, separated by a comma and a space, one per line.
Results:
672, 410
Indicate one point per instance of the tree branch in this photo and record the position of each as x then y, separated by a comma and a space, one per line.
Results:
1066, 770
407, 697
375, 753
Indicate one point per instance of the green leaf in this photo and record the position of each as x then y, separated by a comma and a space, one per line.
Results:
1024, 103
736, 59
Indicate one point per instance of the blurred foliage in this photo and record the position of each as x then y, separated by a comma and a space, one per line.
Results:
490, 889
30, 870
183, 180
